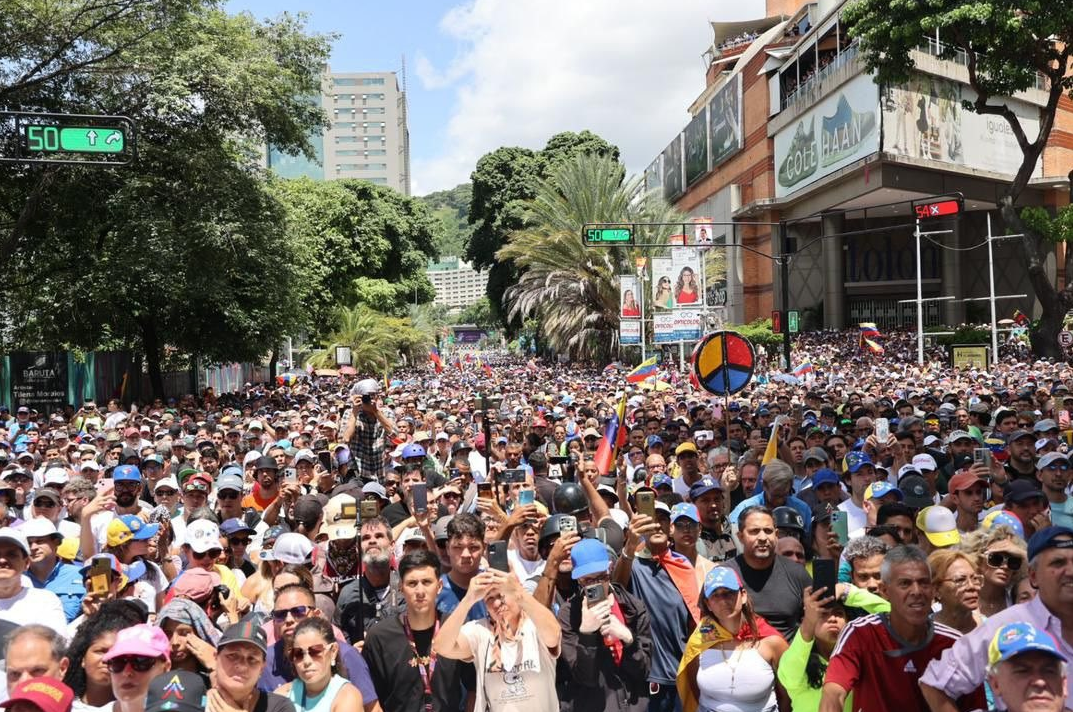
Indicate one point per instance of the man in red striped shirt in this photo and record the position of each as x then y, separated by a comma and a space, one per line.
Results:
879, 658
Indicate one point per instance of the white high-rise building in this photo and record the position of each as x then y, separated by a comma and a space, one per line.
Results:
457, 284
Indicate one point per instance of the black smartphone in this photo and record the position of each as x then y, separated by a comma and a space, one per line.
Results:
595, 593
497, 556
824, 575
484, 490
455, 473
366, 399
557, 460
420, 493
325, 458
512, 476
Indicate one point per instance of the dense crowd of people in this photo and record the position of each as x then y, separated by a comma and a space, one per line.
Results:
874, 535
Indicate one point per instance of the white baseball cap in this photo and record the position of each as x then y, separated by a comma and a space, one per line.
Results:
203, 535
56, 476
290, 548
925, 462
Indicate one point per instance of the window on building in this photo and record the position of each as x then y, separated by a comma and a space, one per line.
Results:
344, 125
372, 81
346, 139
373, 110
349, 152
344, 81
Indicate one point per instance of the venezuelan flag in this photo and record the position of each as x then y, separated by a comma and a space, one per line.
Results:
643, 371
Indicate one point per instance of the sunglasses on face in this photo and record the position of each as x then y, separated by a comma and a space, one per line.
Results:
239, 541
316, 652
227, 494
998, 559
140, 663
166, 492
45, 504
298, 612
210, 554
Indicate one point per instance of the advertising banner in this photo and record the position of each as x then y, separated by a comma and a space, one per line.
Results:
662, 283
925, 119
629, 305
685, 276
629, 332
696, 140
724, 118
839, 130
39, 380
683, 325
672, 169
654, 176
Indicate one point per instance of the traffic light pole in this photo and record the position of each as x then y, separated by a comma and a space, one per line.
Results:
784, 279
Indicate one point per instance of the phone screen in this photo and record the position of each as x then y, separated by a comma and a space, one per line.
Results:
824, 575
497, 556
420, 493
100, 577
325, 458
527, 497
646, 504
484, 490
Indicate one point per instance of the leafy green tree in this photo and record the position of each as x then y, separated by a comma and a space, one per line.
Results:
478, 313
572, 289
1006, 45
503, 181
369, 245
451, 208
183, 251
377, 341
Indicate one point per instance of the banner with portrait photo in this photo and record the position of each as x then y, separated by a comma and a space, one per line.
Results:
662, 283
714, 260
696, 147
629, 301
724, 118
672, 169
685, 277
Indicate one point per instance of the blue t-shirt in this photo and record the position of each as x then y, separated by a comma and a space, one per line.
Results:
278, 670
670, 621
66, 582
451, 595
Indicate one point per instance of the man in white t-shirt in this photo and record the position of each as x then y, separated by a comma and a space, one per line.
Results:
20, 602
524, 557
861, 474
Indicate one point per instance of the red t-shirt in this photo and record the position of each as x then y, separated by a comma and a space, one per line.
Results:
882, 672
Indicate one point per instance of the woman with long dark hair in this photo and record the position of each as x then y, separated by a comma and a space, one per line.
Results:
730, 661
87, 675
686, 291
321, 684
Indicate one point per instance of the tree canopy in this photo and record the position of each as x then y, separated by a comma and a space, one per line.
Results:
1006, 46
451, 208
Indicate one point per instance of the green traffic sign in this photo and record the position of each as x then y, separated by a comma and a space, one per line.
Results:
74, 139
793, 322
618, 234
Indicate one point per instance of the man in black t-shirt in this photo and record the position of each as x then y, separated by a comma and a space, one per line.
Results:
398, 649
775, 584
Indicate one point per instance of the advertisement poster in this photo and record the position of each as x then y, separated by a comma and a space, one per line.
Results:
925, 119
839, 130
696, 140
654, 176
39, 380
966, 357
684, 325
629, 304
703, 231
715, 273
662, 283
672, 169
724, 118
629, 333
685, 276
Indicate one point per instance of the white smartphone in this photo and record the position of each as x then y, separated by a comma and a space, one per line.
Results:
882, 429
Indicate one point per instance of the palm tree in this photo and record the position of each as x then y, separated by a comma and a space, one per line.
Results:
571, 288
376, 340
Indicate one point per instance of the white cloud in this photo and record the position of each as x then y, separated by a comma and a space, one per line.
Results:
527, 69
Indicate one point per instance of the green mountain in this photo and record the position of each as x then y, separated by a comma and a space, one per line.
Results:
451, 208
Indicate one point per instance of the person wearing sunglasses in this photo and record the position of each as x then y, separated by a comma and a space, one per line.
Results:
294, 603
1002, 554
240, 659
1052, 471
237, 536
321, 685
229, 494
139, 654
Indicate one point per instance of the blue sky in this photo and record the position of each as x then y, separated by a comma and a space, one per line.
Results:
487, 73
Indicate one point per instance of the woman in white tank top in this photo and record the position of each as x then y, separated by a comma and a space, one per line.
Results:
735, 670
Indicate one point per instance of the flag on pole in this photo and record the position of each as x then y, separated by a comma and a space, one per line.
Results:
434, 357
1020, 318
643, 371
607, 450
803, 369
872, 346
771, 452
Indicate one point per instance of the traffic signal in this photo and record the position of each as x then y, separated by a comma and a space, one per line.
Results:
776, 322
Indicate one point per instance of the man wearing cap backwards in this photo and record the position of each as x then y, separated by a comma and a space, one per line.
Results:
20, 604
1027, 671
606, 646
1053, 474
47, 571
398, 649
964, 667
907, 636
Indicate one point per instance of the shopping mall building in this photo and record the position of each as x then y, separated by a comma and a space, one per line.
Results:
791, 129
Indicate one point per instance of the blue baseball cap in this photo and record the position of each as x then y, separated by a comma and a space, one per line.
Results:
720, 577
413, 451
703, 486
662, 481
654, 440
882, 489
126, 473
856, 460
684, 509
234, 526
1047, 538
589, 557
825, 476
1013, 639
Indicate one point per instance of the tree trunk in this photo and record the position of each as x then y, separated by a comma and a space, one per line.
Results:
272, 362
151, 345
1053, 304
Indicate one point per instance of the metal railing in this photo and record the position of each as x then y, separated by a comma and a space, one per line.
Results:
843, 58
935, 47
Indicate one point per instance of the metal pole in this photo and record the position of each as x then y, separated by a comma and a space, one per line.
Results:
641, 305
290, 352
991, 285
784, 269
681, 356
920, 300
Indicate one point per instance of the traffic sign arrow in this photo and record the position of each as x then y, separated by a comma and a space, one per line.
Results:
113, 137
91, 137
